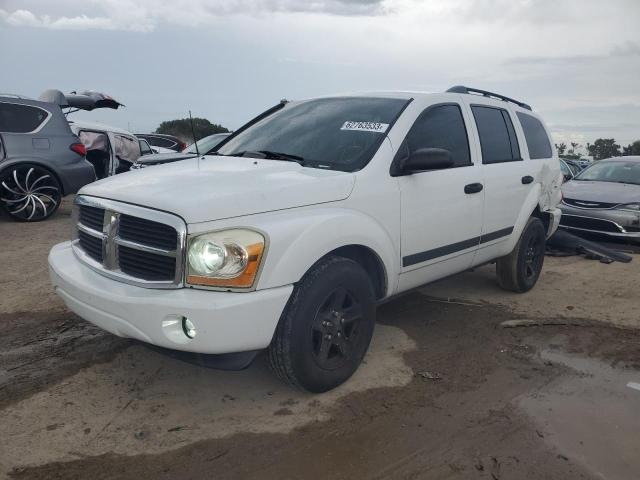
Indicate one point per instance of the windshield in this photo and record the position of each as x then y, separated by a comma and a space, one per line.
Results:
336, 133
207, 143
612, 171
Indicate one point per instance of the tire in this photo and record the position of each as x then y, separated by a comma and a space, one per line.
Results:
29, 192
519, 271
325, 330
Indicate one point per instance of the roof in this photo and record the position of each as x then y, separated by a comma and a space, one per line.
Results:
624, 158
98, 126
408, 94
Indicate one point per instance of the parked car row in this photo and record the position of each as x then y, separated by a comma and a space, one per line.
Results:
45, 156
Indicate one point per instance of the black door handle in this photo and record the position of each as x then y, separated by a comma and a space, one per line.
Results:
527, 179
473, 188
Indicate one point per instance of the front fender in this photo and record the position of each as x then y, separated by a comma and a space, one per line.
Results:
298, 238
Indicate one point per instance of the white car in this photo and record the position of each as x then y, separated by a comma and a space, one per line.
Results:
289, 236
110, 149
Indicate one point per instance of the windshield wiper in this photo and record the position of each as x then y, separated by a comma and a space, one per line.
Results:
268, 154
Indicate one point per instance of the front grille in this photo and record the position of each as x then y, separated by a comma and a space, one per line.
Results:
588, 204
149, 266
91, 245
589, 223
150, 233
119, 241
92, 217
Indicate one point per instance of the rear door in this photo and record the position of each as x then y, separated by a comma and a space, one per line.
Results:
440, 221
507, 177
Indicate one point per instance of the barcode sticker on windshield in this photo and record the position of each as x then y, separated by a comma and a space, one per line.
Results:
366, 126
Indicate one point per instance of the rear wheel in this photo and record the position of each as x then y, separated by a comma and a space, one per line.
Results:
29, 193
326, 328
519, 271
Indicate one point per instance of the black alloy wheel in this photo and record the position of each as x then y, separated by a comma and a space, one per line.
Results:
335, 329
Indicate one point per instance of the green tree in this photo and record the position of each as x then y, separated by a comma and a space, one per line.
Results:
561, 147
181, 128
604, 148
632, 148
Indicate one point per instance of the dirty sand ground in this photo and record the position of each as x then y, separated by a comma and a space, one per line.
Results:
446, 392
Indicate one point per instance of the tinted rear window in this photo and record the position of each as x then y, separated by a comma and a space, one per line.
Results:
160, 142
20, 118
536, 136
497, 136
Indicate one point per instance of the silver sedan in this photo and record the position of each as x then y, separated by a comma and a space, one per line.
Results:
605, 199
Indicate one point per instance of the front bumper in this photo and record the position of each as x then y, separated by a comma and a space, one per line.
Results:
225, 322
610, 222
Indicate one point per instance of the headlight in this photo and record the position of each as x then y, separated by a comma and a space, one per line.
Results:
635, 207
229, 258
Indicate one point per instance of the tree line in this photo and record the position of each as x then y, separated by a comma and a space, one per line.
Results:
600, 149
181, 128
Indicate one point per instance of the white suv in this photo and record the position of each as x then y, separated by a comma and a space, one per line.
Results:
305, 219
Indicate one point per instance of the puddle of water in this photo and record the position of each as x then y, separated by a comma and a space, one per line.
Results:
592, 417
144, 402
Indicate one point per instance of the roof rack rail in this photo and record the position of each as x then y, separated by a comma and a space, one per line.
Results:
484, 93
15, 95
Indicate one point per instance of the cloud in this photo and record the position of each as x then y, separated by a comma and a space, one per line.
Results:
25, 18
144, 15
626, 50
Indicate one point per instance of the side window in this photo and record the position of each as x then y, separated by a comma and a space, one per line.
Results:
498, 139
443, 127
145, 149
537, 140
161, 142
16, 118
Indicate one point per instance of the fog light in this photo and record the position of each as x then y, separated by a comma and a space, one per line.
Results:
188, 327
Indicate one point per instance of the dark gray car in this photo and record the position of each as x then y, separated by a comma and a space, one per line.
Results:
205, 145
605, 199
41, 160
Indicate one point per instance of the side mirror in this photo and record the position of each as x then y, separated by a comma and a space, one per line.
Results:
428, 159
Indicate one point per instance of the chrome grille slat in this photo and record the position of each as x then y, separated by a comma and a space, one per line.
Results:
586, 204
133, 244
145, 248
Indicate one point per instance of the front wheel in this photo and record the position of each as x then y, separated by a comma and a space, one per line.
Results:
519, 271
29, 192
326, 328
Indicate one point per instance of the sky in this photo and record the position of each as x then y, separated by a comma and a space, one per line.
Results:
577, 62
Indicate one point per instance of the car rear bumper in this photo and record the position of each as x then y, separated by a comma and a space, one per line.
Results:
76, 175
225, 322
610, 222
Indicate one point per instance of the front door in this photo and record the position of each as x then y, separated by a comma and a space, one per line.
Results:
441, 210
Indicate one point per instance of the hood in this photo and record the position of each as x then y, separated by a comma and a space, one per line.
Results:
601, 192
157, 158
224, 187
